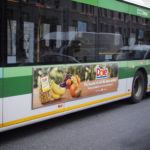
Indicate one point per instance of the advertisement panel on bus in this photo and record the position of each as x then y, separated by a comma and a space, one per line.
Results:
53, 85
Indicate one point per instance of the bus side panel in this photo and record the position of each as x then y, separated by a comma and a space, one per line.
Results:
18, 98
1, 112
1, 109
18, 109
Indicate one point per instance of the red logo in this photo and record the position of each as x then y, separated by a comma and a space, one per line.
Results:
44, 79
101, 73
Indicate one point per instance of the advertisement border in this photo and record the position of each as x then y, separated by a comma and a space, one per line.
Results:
76, 99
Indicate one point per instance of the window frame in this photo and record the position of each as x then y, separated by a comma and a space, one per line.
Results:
104, 22
3, 31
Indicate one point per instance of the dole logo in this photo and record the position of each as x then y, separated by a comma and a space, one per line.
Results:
101, 73
44, 79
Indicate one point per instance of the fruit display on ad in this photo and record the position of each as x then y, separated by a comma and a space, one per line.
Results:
59, 84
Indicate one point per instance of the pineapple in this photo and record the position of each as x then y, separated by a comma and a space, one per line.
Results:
44, 90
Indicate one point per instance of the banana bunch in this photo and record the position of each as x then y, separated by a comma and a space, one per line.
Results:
57, 91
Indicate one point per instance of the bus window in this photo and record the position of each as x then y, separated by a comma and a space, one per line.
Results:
36, 29
11, 41
20, 33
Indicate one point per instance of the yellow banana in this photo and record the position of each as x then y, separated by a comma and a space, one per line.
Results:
58, 90
55, 96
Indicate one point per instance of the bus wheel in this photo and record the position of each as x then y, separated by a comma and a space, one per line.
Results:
138, 87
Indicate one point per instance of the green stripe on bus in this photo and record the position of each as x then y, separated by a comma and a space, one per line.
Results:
23, 85
133, 66
17, 86
27, 71
1, 72
118, 6
1, 89
134, 10
18, 80
10, 72
123, 73
17, 71
22, 71
114, 5
90, 2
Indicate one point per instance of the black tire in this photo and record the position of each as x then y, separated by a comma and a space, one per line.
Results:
138, 87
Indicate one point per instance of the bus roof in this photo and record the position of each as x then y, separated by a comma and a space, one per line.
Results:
143, 3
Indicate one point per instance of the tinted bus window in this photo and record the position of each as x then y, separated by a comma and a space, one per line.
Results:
56, 32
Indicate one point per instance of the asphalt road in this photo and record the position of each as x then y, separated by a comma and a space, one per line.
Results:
115, 126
